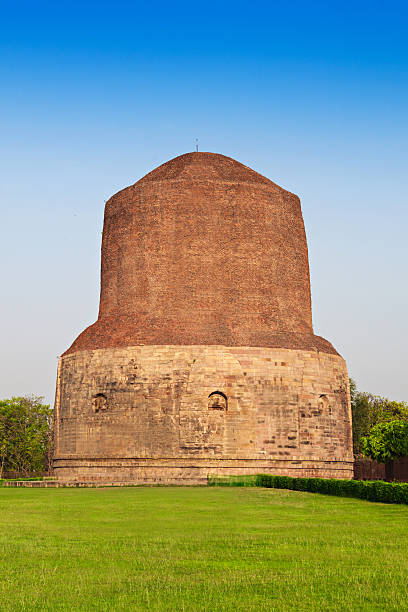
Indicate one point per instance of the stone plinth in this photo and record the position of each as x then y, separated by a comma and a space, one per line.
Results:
173, 414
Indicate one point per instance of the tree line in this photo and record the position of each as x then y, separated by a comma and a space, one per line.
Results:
380, 426
26, 426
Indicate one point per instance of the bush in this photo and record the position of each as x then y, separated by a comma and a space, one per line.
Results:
386, 441
377, 491
369, 410
25, 436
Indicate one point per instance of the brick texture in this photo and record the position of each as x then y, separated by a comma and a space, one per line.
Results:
204, 250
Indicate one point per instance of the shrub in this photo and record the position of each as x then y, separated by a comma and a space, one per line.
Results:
379, 491
386, 441
25, 435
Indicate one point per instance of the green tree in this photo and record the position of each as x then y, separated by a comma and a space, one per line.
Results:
369, 410
360, 410
25, 435
386, 441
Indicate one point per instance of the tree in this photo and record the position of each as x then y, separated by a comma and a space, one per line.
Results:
386, 441
25, 435
369, 410
360, 410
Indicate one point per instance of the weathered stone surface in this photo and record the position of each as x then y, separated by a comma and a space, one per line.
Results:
287, 411
203, 358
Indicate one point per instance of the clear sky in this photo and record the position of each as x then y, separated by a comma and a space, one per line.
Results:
313, 95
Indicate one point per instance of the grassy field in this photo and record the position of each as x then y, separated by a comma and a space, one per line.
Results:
199, 549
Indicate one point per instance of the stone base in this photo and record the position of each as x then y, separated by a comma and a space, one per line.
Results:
182, 472
174, 414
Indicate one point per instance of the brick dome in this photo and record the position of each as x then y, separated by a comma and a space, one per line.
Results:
204, 251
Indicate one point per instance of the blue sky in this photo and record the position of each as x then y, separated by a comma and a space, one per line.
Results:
313, 95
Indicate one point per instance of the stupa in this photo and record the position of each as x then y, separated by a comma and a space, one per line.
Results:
203, 359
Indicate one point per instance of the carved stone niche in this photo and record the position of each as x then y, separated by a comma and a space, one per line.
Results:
323, 405
99, 402
217, 401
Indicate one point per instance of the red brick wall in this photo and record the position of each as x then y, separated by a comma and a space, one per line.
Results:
204, 251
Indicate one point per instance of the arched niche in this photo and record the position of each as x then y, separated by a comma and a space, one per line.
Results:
217, 400
323, 404
99, 402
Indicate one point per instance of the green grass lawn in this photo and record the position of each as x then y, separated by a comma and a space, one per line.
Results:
199, 549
